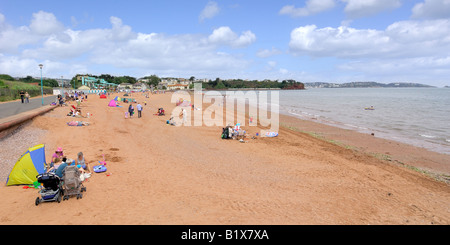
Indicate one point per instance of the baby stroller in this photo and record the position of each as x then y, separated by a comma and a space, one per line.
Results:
161, 112
72, 183
52, 188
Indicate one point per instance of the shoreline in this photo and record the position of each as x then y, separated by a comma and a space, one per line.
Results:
161, 174
418, 158
421, 159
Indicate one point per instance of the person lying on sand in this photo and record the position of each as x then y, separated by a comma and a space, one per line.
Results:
78, 123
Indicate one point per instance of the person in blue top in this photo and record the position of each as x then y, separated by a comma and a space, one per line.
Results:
131, 110
60, 170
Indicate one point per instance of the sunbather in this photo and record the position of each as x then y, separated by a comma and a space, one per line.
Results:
78, 123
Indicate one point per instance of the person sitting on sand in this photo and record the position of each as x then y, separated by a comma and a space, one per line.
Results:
60, 170
82, 163
78, 114
58, 155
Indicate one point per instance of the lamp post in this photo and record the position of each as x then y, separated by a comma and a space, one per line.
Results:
62, 84
42, 89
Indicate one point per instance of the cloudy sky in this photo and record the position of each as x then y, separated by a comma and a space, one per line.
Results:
309, 41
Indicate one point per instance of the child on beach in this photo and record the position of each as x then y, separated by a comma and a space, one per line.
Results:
83, 165
131, 110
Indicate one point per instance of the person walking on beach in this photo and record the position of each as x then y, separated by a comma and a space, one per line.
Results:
183, 114
139, 109
131, 110
27, 97
22, 95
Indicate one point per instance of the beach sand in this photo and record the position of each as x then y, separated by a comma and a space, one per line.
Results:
166, 175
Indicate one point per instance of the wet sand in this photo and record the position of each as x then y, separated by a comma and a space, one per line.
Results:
166, 175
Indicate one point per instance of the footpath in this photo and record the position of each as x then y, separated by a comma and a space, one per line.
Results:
13, 114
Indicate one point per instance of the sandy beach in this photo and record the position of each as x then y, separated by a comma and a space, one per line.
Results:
166, 175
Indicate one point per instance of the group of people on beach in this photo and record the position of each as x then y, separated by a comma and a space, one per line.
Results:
60, 162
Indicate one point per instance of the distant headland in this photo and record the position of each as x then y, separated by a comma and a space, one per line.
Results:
366, 85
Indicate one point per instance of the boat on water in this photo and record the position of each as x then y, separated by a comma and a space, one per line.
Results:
369, 108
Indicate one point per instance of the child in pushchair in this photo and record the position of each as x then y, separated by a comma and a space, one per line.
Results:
52, 190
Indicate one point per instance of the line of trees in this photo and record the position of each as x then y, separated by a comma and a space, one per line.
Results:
239, 83
46, 82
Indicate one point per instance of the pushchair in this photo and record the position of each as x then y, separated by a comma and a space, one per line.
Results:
72, 184
52, 190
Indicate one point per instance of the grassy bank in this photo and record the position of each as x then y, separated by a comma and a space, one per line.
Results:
9, 90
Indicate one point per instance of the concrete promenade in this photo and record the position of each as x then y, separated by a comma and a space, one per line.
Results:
15, 113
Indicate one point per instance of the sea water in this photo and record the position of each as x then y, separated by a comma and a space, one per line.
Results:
416, 116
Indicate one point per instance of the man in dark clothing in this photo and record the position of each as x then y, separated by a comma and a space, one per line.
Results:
22, 95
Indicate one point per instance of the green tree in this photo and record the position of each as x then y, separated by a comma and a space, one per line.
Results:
220, 85
6, 77
153, 80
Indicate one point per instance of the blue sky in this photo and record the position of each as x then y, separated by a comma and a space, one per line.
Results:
309, 41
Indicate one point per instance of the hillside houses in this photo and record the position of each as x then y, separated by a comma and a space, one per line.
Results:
174, 83
139, 86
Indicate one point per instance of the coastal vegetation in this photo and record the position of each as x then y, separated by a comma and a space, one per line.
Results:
217, 83
10, 88
241, 84
365, 85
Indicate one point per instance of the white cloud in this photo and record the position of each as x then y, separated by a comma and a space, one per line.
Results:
401, 39
118, 48
358, 9
211, 9
432, 9
312, 7
264, 53
272, 63
119, 31
225, 36
405, 49
161, 52
44, 23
